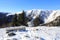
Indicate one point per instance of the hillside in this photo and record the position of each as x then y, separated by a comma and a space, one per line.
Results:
31, 18
55, 22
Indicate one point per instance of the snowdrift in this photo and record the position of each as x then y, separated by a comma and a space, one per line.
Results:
30, 33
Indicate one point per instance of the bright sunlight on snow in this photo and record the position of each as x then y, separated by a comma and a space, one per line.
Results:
30, 33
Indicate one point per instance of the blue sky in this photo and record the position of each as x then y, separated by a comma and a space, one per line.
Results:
19, 5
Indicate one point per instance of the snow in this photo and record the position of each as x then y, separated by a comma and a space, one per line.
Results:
32, 33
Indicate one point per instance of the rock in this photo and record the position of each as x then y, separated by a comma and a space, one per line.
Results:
14, 39
11, 34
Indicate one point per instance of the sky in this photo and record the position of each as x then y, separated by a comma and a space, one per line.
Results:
19, 5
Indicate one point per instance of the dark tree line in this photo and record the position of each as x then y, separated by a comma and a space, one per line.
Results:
4, 19
19, 19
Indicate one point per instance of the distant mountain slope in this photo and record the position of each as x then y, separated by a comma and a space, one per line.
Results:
31, 18
44, 16
55, 22
41, 14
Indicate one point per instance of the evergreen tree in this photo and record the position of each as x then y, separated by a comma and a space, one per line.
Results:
25, 19
22, 18
36, 22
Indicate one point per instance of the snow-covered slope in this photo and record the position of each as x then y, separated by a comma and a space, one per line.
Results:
45, 15
53, 16
31, 33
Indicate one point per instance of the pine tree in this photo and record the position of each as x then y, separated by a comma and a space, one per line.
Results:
22, 18
36, 22
25, 20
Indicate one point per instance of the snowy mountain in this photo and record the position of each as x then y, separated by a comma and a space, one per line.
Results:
37, 17
45, 16
55, 22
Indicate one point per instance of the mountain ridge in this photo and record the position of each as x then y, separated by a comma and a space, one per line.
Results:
36, 16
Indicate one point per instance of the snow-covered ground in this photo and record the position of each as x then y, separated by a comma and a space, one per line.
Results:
31, 33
